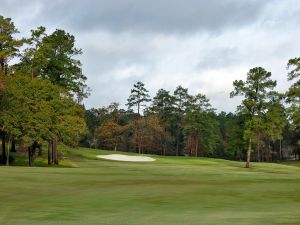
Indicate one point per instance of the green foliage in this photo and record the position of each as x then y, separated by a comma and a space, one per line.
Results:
293, 101
275, 120
163, 104
139, 95
200, 126
32, 59
232, 145
27, 115
293, 94
37, 111
37, 98
53, 57
294, 65
9, 45
182, 99
256, 91
202, 129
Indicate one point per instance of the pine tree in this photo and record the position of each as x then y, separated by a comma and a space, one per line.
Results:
139, 95
255, 91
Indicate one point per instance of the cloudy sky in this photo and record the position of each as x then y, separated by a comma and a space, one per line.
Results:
200, 44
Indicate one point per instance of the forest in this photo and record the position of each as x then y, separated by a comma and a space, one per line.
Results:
42, 88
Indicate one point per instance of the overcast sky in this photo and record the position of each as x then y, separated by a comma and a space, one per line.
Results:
201, 45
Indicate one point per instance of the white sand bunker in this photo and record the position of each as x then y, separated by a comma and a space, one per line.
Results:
127, 158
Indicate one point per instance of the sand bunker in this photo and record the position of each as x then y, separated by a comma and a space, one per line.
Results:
127, 158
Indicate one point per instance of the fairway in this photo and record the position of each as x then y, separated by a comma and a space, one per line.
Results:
169, 191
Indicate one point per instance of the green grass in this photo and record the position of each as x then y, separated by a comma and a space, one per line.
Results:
170, 191
292, 163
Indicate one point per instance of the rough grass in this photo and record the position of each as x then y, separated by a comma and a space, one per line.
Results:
169, 191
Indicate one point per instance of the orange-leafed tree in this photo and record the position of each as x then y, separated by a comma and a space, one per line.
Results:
148, 134
109, 134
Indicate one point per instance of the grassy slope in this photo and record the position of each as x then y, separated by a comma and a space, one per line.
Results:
169, 191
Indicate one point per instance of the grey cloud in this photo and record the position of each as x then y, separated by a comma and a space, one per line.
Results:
203, 45
218, 58
153, 16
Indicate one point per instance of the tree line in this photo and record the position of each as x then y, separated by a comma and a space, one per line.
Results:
41, 88
265, 127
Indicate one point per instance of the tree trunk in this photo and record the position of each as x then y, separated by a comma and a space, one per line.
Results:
165, 142
280, 149
13, 146
31, 153
49, 152
269, 152
2, 63
249, 153
3, 148
6, 69
177, 137
140, 146
258, 148
29, 156
177, 143
136, 136
7, 153
196, 146
55, 151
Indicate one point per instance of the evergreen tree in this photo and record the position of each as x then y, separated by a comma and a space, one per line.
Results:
53, 57
255, 90
9, 45
200, 127
139, 95
163, 104
293, 94
182, 100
